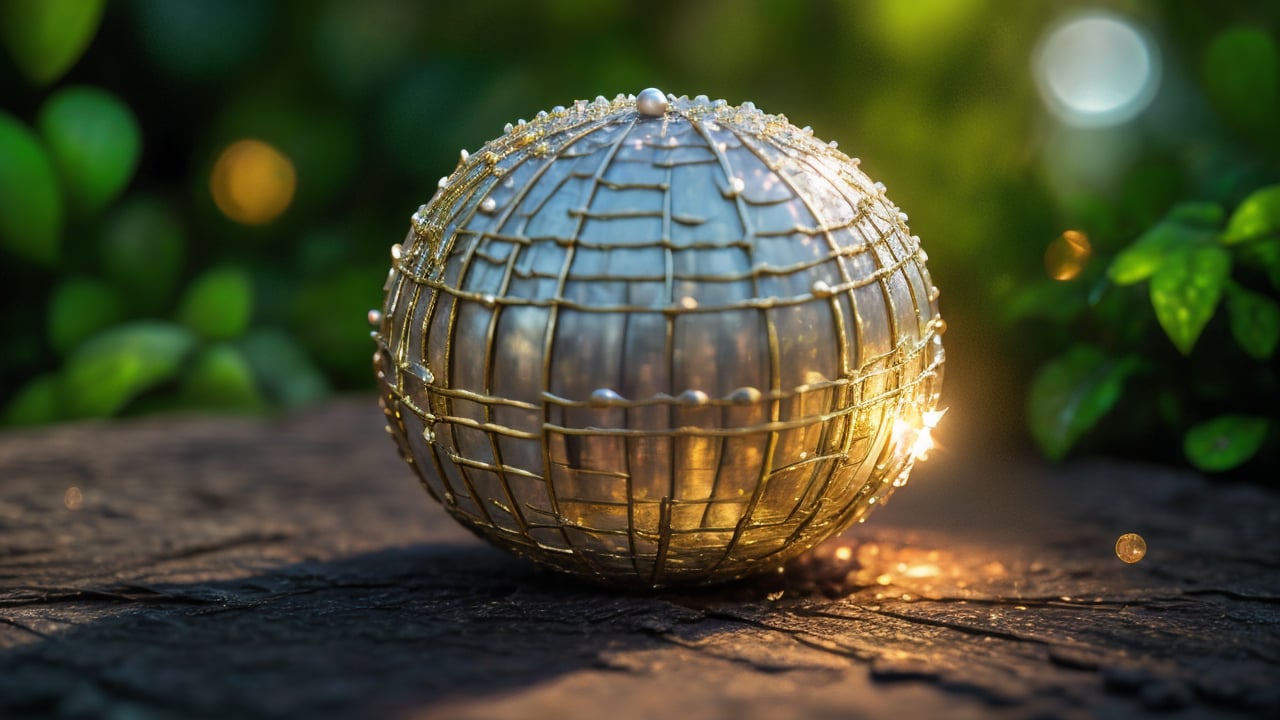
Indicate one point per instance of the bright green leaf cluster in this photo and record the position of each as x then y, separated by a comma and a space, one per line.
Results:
1188, 259
110, 315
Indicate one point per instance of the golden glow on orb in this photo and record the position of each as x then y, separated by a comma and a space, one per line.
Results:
651, 421
919, 439
1130, 547
252, 182
1067, 256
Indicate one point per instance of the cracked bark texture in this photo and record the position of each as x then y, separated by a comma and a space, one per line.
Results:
292, 567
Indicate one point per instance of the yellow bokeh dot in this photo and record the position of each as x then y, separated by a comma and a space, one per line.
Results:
73, 498
1067, 255
1131, 547
252, 182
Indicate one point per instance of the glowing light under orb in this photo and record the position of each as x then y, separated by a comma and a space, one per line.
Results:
1097, 69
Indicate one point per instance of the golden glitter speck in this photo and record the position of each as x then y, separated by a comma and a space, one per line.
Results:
1130, 547
73, 498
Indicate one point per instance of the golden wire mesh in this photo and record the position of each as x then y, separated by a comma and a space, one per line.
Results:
657, 347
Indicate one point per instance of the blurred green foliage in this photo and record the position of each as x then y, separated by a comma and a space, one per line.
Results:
125, 290
1194, 264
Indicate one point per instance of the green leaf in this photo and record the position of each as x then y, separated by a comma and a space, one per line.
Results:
1255, 321
220, 379
1265, 256
1182, 227
1203, 215
283, 369
1071, 394
1241, 69
1055, 302
30, 202
1225, 442
79, 308
218, 304
115, 366
94, 140
1257, 216
36, 403
325, 313
46, 37
141, 249
1185, 292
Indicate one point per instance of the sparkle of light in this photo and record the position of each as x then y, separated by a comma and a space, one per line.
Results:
73, 498
1096, 70
1067, 256
920, 439
252, 182
1130, 547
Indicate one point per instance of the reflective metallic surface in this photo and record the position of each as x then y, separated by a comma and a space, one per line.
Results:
658, 349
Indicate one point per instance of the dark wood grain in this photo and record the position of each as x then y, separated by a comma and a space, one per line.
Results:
292, 567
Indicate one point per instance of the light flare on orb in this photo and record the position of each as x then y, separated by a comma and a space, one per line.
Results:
919, 439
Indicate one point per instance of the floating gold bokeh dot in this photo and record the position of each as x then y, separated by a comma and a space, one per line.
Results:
1067, 256
1131, 547
252, 182
73, 499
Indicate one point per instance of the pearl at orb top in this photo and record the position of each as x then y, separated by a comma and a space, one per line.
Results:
651, 101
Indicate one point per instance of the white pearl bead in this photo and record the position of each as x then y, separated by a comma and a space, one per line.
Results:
651, 101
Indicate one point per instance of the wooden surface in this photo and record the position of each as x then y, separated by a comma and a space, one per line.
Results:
293, 568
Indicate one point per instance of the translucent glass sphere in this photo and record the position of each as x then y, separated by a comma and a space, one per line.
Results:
659, 342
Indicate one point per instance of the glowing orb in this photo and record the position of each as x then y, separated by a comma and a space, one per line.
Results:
660, 341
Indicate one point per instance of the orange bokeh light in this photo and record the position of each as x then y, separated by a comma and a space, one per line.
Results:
1067, 256
252, 182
